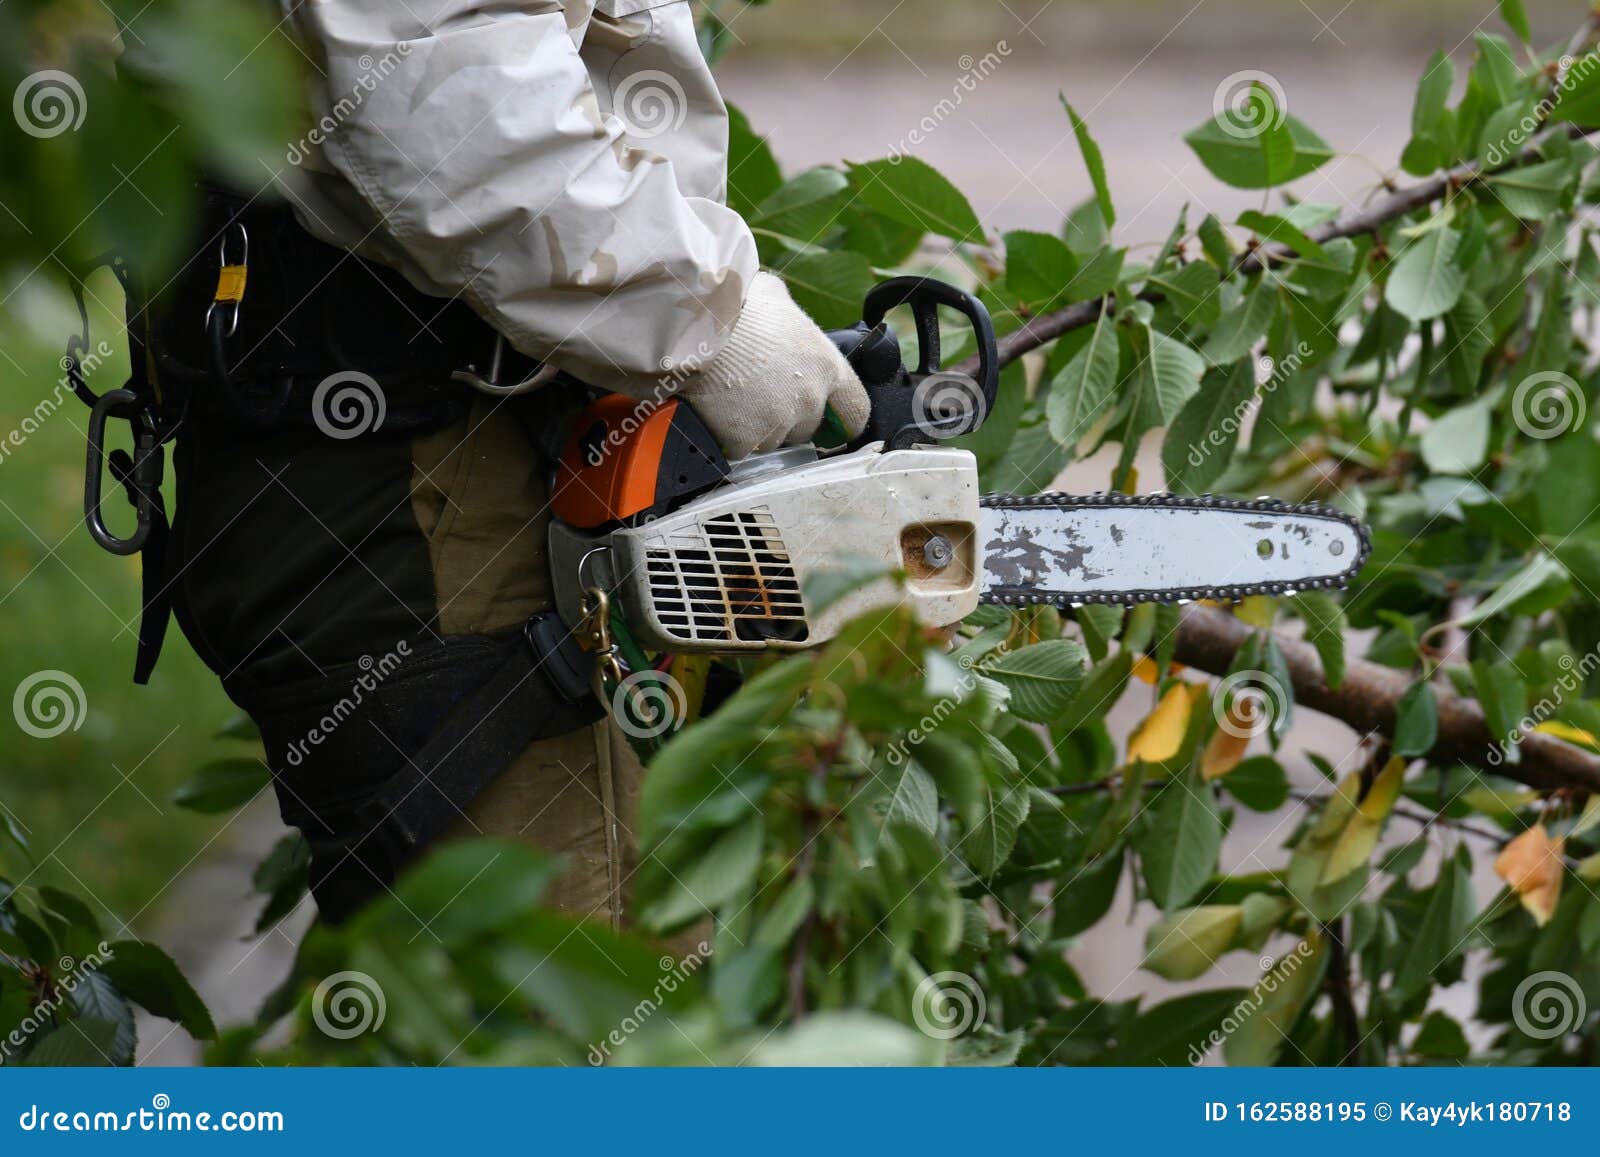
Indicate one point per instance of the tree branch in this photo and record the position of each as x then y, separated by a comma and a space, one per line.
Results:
1045, 328
1367, 700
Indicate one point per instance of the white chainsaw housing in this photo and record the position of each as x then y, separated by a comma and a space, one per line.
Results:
730, 571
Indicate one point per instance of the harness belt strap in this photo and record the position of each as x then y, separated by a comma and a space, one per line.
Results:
376, 761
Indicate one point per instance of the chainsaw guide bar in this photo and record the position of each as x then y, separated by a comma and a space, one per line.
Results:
1030, 551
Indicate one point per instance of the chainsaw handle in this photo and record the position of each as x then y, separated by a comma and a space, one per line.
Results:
927, 404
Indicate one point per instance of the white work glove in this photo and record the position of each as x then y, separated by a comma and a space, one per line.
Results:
774, 380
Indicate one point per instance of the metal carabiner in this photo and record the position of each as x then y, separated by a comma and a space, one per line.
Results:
143, 479
230, 278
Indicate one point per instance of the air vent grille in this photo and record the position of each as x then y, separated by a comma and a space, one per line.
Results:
728, 579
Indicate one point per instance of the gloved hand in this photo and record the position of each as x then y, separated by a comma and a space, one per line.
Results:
770, 385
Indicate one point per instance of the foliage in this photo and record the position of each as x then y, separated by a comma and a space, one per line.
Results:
903, 834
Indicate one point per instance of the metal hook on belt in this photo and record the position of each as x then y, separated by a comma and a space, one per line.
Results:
231, 278
140, 474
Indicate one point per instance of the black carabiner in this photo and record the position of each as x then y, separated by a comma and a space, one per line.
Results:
141, 475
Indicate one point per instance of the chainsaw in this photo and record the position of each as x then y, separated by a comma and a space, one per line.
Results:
702, 555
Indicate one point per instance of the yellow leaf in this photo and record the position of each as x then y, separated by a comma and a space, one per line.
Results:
1160, 736
1130, 484
1257, 610
1363, 827
1532, 865
1228, 743
1571, 734
1589, 818
1185, 944
1146, 670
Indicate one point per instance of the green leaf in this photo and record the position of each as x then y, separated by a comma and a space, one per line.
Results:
1184, 945
1260, 783
1416, 728
1042, 679
82, 1043
830, 286
806, 206
1426, 281
1087, 895
1086, 385
1580, 101
1516, 17
1532, 192
1458, 442
1441, 1038
1179, 847
1102, 689
986, 1048
1167, 375
1442, 934
1283, 231
1094, 162
1325, 628
1504, 698
223, 786
1242, 327
1200, 444
1038, 267
1235, 158
993, 834
912, 191
1279, 997
753, 173
913, 799
148, 977
1177, 1032
723, 871
464, 889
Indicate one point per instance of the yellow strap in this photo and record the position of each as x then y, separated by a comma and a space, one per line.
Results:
230, 283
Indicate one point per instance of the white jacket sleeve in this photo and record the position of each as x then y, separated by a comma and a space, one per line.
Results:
486, 162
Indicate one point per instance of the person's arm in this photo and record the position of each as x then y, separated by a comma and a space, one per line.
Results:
483, 151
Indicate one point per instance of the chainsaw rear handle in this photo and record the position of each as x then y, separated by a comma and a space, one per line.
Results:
926, 404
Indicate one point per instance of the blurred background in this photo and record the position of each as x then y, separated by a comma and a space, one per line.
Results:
825, 79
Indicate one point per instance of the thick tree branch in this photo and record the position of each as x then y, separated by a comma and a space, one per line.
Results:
1209, 638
